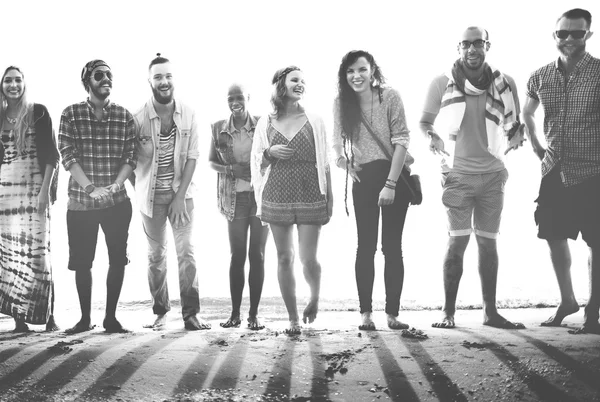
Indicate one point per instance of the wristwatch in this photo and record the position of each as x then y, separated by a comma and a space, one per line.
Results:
89, 188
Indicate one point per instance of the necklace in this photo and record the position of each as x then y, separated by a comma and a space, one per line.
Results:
11, 120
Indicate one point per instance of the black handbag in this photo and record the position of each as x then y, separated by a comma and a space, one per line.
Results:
413, 182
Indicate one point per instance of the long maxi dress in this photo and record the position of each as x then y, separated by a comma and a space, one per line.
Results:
25, 268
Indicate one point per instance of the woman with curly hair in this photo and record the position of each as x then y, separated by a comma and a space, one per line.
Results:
291, 180
27, 188
370, 142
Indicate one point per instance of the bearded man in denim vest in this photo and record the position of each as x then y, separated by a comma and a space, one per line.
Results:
167, 153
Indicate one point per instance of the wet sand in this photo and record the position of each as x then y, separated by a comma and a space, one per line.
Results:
330, 360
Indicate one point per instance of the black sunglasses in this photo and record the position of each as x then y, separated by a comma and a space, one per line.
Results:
564, 34
99, 75
478, 43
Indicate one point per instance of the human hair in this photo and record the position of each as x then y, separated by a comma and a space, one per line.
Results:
24, 108
349, 105
279, 89
158, 60
576, 14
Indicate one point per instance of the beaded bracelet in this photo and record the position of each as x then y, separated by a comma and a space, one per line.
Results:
390, 186
267, 155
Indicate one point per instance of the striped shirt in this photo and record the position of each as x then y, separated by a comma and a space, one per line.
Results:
571, 118
166, 163
99, 147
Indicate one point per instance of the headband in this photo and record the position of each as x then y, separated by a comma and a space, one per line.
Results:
86, 73
284, 73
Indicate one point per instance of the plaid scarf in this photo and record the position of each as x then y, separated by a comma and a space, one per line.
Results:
500, 110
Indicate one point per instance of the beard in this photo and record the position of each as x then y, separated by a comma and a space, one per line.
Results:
96, 92
160, 98
571, 53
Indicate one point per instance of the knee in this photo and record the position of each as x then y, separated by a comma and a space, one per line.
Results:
285, 258
309, 261
486, 245
256, 257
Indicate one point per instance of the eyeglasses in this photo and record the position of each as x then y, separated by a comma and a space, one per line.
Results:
99, 75
564, 34
477, 43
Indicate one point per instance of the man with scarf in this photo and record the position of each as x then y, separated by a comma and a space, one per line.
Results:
482, 109
97, 143
569, 200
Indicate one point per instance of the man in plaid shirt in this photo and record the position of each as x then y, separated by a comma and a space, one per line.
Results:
97, 144
569, 199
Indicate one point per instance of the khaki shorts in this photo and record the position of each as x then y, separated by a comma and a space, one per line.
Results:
474, 201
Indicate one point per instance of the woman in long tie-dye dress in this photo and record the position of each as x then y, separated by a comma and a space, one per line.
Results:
27, 188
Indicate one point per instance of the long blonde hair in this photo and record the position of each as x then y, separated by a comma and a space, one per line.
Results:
24, 111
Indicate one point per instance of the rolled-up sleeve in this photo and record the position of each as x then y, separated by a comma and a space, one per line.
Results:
336, 138
399, 131
66, 142
193, 150
129, 147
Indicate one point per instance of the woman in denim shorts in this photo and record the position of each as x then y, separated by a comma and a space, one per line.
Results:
229, 155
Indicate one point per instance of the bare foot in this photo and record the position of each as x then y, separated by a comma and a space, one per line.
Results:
497, 321
367, 322
51, 324
113, 326
561, 312
20, 326
194, 324
254, 324
81, 326
159, 323
587, 328
294, 328
447, 322
393, 323
233, 322
310, 312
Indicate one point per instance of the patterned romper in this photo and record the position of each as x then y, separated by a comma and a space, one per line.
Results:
291, 194
25, 270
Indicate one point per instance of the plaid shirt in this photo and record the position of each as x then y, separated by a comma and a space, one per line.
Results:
571, 118
99, 147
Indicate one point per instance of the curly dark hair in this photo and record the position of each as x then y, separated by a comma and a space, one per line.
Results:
349, 105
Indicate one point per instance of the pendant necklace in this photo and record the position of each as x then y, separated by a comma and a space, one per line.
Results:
11, 120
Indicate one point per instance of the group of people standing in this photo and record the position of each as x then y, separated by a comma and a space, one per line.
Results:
274, 172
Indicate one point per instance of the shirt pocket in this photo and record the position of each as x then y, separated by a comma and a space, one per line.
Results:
145, 146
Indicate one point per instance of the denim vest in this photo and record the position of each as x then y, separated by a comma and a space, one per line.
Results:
226, 185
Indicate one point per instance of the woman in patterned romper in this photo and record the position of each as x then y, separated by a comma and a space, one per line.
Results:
290, 176
27, 188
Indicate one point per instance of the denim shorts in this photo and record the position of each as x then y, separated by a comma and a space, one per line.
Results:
82, 228
245, 205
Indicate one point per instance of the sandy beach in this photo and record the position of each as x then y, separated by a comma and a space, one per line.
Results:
330, 360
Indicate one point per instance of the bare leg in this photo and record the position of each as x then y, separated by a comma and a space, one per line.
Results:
20, 326
256, 254
238, 240
285, 273
453, 270
561, 261
308, 240
114, 283
488, 273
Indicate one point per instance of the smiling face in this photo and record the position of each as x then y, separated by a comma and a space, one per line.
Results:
473, 57
570, 47
161, 82
359, 75
100, 83
294, 85
13, 85
236, 99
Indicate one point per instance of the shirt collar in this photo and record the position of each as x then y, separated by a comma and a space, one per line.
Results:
152, 112
91, 105
580, 64
247, 125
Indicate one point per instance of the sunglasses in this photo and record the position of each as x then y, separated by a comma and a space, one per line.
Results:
564, 34
99, 75
477, 43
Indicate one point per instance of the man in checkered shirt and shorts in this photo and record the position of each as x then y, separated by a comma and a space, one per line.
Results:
481, 108
97, 143
569, 198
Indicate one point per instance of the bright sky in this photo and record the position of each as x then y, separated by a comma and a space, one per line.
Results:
214, 43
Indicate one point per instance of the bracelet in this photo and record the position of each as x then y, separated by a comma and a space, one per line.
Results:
391, 181
228, 170
337, 161
267, 155
390, 186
